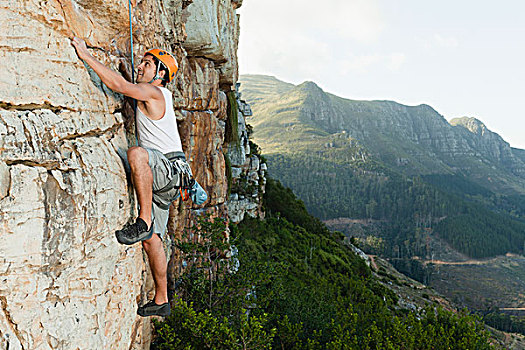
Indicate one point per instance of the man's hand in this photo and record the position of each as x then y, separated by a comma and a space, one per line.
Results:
113, 80
80, 46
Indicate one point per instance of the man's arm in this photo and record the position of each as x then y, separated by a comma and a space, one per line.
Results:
113, 80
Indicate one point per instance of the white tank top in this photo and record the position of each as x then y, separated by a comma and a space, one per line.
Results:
162, 134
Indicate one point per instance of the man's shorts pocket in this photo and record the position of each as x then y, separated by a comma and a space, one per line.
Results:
163, 173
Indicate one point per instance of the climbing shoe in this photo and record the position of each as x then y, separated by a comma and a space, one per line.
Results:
152, 309
134, 233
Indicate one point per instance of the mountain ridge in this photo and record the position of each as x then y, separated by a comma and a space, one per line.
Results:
412, 139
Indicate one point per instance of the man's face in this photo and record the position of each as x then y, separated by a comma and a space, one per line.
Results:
146, 69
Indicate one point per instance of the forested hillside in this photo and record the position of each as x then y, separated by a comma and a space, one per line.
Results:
406, 209
296, 285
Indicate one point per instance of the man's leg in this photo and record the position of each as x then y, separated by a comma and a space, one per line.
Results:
142, 178
143, 181
158, 265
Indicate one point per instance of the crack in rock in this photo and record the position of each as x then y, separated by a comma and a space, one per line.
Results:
94, 132
12, 324
57, 164
48, 164
34, 106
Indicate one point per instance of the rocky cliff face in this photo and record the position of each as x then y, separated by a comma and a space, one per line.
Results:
65, 283
489, 144
246, 169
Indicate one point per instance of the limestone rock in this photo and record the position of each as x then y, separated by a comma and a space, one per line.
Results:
238, 151
254, 163
5, 180
64, 268
238, 208
36, 70
65, 283
236, 172
202, 135
245, 108
359, 253
200, 85
247, 172
236, 3
213, 30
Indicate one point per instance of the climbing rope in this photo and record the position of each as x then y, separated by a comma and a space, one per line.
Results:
131, 44
133, 70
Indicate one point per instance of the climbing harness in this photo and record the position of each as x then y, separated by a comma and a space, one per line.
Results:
186, 178
182, 184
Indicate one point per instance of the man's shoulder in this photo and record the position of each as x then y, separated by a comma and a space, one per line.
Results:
164, 89
166, 93
157, 91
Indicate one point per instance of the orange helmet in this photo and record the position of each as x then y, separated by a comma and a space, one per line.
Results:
167, 59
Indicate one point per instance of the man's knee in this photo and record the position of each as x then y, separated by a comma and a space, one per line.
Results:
137, 155
152, 242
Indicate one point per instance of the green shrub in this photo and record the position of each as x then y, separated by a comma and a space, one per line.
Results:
297, 286
188, 329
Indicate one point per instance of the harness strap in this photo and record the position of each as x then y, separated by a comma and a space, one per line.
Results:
169, 186
156, 74
182, 169
173, 156
184, 194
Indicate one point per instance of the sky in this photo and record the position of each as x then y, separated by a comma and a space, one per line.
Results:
463, 58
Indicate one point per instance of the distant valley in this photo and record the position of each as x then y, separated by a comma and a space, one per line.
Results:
402, 182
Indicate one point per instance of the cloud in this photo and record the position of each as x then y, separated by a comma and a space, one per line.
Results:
360, 20
397, 60
294, 56
364, 63
351, 19
302, 37
359, 64
439, 41
443, 41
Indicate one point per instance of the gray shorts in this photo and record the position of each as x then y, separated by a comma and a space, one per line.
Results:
162, 171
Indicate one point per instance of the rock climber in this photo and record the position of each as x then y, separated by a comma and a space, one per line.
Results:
151, 162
